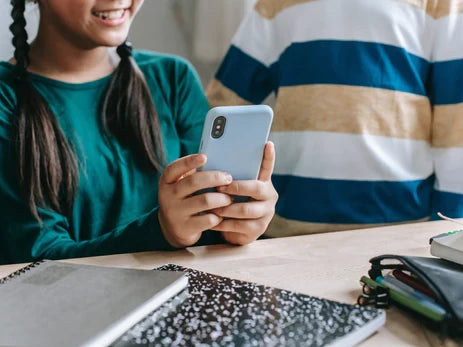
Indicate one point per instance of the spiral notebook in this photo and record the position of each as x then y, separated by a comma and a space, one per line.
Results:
221, 311
58, 304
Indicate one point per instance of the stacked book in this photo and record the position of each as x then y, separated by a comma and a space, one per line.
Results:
448, 246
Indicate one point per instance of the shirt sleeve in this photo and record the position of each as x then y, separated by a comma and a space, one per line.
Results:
190, 109
248, 73
446, 95
24, 239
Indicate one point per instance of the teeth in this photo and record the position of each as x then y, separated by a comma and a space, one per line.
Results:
109, 14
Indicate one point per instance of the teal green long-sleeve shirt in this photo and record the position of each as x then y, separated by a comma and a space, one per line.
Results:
115, 209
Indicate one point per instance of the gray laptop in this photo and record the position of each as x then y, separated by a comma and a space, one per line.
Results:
60, 304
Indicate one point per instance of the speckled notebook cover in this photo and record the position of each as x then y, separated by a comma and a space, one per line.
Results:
220, 311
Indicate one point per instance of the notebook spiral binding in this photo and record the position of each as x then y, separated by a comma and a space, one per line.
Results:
20, 271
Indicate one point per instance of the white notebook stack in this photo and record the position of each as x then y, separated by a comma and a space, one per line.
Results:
58, 304
448, 246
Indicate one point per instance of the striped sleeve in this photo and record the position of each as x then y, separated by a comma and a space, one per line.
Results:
243, 76
446, 92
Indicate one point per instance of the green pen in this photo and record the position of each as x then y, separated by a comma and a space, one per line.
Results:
407, 300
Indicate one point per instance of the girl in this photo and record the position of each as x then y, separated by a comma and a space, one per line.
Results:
85, 136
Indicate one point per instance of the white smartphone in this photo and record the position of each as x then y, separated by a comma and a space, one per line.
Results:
234, 139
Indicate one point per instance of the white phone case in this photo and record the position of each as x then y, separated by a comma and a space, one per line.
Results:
240, 149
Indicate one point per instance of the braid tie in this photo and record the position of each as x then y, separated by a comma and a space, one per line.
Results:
18, 29
125, 50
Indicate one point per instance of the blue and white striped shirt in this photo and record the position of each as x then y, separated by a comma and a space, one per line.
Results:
369, 107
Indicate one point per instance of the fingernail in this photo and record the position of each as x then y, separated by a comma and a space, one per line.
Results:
228, 178
199, 159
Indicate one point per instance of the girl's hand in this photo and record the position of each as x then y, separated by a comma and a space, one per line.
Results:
249, 220
183, 216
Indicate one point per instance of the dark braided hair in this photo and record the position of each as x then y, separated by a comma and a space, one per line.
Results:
129, 113
47, 165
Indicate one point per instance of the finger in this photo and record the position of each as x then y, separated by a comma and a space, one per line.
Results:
189, 173
240, 226
268, 162
182, 166
205, 202
257, 190
238, 238
248, 210
202, 180
205, 222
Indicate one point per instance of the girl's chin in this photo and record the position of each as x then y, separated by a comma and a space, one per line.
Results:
112, 40
110, 36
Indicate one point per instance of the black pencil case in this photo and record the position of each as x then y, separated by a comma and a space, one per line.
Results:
442, 277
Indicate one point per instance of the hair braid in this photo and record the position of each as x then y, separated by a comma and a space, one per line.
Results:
129, 113
46, 163
18, 28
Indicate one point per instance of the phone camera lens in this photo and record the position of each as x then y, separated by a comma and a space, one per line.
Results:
218, 127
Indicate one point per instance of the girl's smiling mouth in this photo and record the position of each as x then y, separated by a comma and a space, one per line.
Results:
112, 17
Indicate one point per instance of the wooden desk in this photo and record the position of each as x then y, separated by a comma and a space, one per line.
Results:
325, 265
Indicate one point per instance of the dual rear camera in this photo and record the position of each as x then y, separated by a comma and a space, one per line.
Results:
218, 127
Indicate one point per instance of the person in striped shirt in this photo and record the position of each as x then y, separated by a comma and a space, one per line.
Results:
368, 121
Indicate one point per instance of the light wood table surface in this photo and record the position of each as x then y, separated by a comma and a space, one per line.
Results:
324, 265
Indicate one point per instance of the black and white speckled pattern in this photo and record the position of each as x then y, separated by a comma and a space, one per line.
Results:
224, 312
